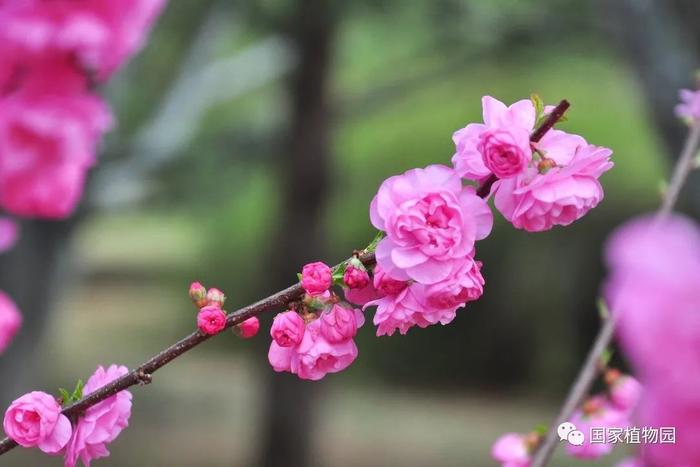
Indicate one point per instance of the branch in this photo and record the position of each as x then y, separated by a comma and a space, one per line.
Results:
554, 116
142, 374
589, 371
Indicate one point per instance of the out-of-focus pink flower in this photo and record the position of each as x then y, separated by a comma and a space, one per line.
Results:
249, 328
625, 392
9, 233
316, 278
597, 412
511, 450
565, 193
211, 320
431, 222
101, 34
48, 140
288, 329
101, 423
35, 419
518, 119
690, 104
314, 357
355, 277
215, 297
10, 321
339, 324
506, 151
198, 294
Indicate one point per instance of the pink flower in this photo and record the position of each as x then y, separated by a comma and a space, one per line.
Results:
339, 324
316, 278
10, 321
511, 450
431, 223
599, 413
466, 285
248, 328
689, 107
215, 297
363, 295
198, 294
49, 131
536, 202
355, 277
101, 423
288, 329
101, 34
505, 152
9, 232
625, 393
211, 320
511, 124
386, 285
35, 419
314, 357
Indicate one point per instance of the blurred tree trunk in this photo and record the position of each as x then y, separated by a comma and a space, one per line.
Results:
661, 40
29, 273
304, 173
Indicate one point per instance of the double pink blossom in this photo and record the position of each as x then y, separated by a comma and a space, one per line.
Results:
211, 320
35, 419
288, 329
101, 423
512, 450
431, 222
316, 278
10, 321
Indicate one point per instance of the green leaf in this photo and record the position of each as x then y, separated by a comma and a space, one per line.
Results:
65, 396
373, 245
541, 429
299, 276
78, 391
606, 357
539, 105
603, 310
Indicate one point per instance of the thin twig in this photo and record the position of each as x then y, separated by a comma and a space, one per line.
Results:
589, 371
552, 118
142, 374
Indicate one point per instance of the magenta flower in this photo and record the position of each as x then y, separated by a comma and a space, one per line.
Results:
288, 329
339, 324
9, 233
689, 107
355, 278
431, 223
625, 393
211, 320
316, 278
597, 412
10, 321
505, 152
35, 419
248, 328
511, 450
102, 423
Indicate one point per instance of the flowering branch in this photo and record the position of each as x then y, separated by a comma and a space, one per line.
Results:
142, 375
589, 371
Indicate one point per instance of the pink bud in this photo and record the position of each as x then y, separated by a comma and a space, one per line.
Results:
288, 329
355, 278
248, 328
215, 297
338, 324
316, 278
198, 294
625, 392
211, 320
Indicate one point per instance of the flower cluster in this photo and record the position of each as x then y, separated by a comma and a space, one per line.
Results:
316, 337
211, 318
35, 420
51, 51
654, 287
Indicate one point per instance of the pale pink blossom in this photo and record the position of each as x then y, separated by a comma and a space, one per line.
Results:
10, 321
314, 357
215, 297
100, 34
506, 152
249, 328
511, 450
466, 285
597, 412
339, 323
9, 233
431, 222
565, 193
288, 329
625, 393
355, 277
316, 278
102, 423
211, 320
689, 107
35, 419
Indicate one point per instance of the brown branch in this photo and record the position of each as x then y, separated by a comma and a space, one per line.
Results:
552, 118
589, 371
143, 373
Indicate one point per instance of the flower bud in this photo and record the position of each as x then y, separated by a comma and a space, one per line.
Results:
288, 329
198, 294
215, 297
248, 328
338, 324
211, 320
316, 278
356, 277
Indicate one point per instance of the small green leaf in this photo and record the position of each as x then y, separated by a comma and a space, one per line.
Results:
373, 245
539, 105
541, 429
65, 396
78, 391
606, 357
299, 276
603, 310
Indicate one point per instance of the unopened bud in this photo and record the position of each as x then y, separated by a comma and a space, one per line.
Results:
248, 328
198, 294
356, 277
216, 297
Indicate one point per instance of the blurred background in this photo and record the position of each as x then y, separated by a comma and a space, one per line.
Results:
252, 136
